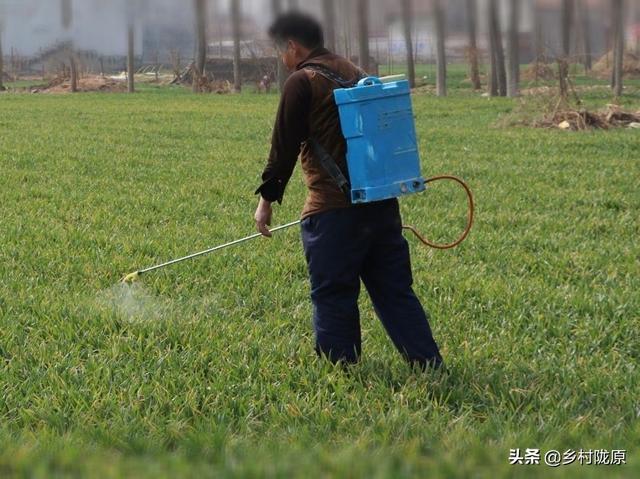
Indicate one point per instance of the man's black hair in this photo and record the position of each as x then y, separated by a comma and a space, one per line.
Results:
299, 27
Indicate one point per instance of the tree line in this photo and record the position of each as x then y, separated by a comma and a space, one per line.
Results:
503, 51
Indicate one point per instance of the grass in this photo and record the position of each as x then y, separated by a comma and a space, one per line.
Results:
458, 76
537, 313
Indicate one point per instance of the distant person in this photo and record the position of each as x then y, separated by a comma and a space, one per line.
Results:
343, 243
265, 84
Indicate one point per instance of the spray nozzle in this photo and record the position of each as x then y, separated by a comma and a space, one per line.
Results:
131, 277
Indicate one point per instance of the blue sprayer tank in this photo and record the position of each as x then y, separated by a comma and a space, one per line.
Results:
382, 149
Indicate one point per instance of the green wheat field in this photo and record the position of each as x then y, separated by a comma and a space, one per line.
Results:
207, 369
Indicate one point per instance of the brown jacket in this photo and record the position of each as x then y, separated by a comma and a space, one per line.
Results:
307, 110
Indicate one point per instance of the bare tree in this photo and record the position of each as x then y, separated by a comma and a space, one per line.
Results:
235, 25
2, 88
200, 9
363, 34
585, 35
472, 21
329, 9
132, 9
66, 8
407, 22
513, 47
618, 45
567, 24
347, 29
441, 59
276, 7
538, 47
156, 68
498, 84
130, 58
390, 53
174, 58
635, 16
493, 75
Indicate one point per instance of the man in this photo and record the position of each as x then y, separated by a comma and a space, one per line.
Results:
343, 243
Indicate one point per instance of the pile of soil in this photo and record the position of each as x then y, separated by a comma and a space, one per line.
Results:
630, 66
208, 85
545, 71
610, 117
92, 83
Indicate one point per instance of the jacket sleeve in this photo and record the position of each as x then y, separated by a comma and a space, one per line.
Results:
290, 130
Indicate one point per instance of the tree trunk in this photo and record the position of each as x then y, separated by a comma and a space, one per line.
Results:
66, 14
472, 21
276, 7
612, 45
74, 71
407, 24
538, 49
390, 54
198, 73
2, 88
441, 59
567, 23
618, 41
235, 24
347, 30
499, 74
500, 59
363, 34
513, 49
583, 13
329, 9
563, 69
636, 21
493, 78
130, 59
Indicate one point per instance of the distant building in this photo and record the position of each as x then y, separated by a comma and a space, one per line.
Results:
163, 29
31, 26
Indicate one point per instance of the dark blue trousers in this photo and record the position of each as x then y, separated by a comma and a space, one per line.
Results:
364, 242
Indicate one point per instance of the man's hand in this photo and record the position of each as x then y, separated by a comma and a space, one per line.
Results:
263, 217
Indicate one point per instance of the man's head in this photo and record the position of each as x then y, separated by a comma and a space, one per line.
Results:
296, 35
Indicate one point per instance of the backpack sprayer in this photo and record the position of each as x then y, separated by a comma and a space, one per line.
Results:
382, 153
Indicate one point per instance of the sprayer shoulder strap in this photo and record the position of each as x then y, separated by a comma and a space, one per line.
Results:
326, 160
331, 75
330, 166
